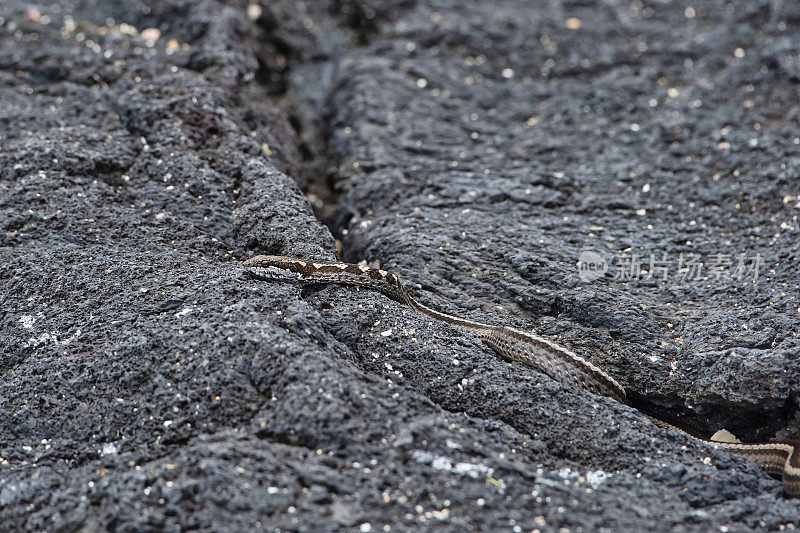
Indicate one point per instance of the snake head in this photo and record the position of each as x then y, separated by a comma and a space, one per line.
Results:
275, 268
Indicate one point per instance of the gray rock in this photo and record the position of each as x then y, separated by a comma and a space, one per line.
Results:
475, 149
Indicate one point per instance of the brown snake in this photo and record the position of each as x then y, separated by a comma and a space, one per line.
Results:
775, 458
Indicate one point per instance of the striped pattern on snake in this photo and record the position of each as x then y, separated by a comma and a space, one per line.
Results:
778, 459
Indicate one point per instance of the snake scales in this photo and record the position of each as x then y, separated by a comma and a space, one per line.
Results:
776, 458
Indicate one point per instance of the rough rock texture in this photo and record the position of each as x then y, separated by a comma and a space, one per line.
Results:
473, 148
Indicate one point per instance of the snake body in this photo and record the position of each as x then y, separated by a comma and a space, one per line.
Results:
780, 459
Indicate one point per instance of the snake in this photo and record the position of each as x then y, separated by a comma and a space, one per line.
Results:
778, 459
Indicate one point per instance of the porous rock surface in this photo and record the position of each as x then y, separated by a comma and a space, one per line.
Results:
475, 149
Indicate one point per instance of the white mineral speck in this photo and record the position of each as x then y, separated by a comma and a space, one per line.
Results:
109, 449
596, 477
442, 463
